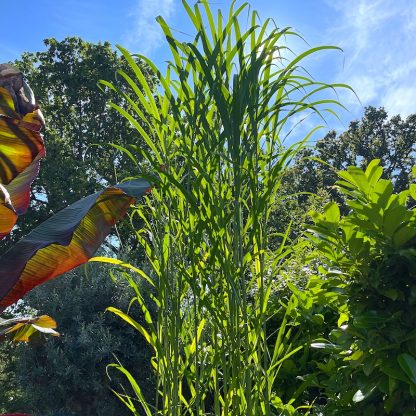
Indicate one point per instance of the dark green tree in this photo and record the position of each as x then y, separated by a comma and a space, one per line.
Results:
375, 136
309, 183
69, 371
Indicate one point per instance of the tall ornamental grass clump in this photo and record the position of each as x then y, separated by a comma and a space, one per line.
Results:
215, 144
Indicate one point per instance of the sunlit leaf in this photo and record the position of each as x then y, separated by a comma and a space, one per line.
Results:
8, 214
21, 328
65, 240
19, 187
332, 213
21, 147
362, 394
133, 323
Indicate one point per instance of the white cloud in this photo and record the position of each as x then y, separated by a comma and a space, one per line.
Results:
379, 40
401, 100
145, 35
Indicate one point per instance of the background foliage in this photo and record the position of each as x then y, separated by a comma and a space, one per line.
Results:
237, 320
68, 373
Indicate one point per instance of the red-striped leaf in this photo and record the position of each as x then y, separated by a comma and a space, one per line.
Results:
64, 241
8, 214
21, 145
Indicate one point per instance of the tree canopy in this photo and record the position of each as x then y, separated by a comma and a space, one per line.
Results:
375, 136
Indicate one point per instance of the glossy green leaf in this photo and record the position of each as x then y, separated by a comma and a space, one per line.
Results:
8, 215
392, 369
403, 235
383, 191
393, 218
374, 171
332, 213
412, 190
362, 394
408, 364
325, 346
370, 319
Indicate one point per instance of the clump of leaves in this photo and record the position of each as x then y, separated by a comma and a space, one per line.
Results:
215, 137
370, 261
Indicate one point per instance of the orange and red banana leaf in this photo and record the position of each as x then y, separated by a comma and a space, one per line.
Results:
64, 241
8, 215
21, 148
22, 328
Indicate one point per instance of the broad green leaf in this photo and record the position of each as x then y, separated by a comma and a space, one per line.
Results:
359, 179
393, 369
412, 190
362, 394
343, 318
370, 319
374, 172
21, 148
332, 213
369, 365
393, 218
324, 346
403, 235
408, 364
372, 168
382, 192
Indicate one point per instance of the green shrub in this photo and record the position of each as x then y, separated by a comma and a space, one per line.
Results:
69, 372
368, 273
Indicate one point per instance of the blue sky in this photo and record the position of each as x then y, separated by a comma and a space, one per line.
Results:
378, 38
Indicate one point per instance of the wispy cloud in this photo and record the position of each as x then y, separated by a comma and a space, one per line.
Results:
379, 40
145, 35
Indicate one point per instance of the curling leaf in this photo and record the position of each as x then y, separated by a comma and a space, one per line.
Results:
21, 145
21, 328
